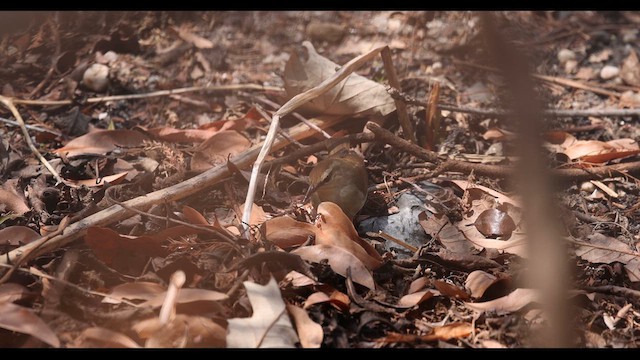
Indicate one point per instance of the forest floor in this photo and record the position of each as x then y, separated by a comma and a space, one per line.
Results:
150, 123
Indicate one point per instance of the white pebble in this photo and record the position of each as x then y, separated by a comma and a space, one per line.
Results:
587, 186
565, 55
96, 77
609, 72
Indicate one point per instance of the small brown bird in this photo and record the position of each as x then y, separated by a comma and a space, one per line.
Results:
341, 178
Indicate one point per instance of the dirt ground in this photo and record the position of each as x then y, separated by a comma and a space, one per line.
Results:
128, 140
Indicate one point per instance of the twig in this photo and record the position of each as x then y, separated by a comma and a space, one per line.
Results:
557, 113
53, 26
30, 127
150, 94
403, 116
287, 108
383, 235
8, 102
613, 290
551, 79
295, 114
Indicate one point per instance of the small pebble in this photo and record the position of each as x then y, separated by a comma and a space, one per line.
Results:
565, 55
96, 77
609, 72
587, 186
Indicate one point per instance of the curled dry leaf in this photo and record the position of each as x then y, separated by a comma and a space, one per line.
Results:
180, 332
10, 292
103, 141
418, 284
478, 282
354, 95
450, 290
614, 250
217, 149
336, 229
20, 319
298, 279
337, 299
515, 301
269, 326
339, 260
286, 232
417, 298
17, 235
309, 332
98, 337
495, 223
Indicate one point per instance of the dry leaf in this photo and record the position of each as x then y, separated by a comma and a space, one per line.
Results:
478, 282
515, 301
615, 251
418, 284
17, 235
354, 95
516, 245
495, 223
111, 179
298, 279
630, 72
450, 290
196, 40
286, 232
440, 228
20, 319
102, 142
444, 333
10, 292
10, 202
108, 245
337, 299
339, 260
180, 332
269, 326
182, 135
309, 332
416, 298
336, 229
186, 296
97, 337
217, 149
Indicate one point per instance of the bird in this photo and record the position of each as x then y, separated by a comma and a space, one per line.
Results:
341, 178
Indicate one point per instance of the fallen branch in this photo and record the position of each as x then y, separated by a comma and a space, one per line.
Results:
179, 191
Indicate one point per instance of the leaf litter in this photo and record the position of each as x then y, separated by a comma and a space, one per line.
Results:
475, 244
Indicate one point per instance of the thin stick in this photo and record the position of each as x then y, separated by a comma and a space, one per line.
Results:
383, 235
403, 116
296, 115
150, 94
287, 108
9, 104
30, 127
557, 113
53, 26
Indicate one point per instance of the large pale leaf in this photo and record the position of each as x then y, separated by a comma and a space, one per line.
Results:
515, 301
354, 95
610, 250
269, 326
309, 331
22, 320
339, 260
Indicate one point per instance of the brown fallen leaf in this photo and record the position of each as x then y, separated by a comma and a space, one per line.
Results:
102, 142
515, 301
336, 298
98, 337
418, 284
611, 250
187, 296
444, 333
217, 149
10, 292
286, 232
336, 229
269, 326
495, 223
354, 95
339, 260
20, 319
182, 135
10, 202
181, 332
630, 71
478, 282
196, 40
446, 289
111, 179
17, 235
309, 332
416, 298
